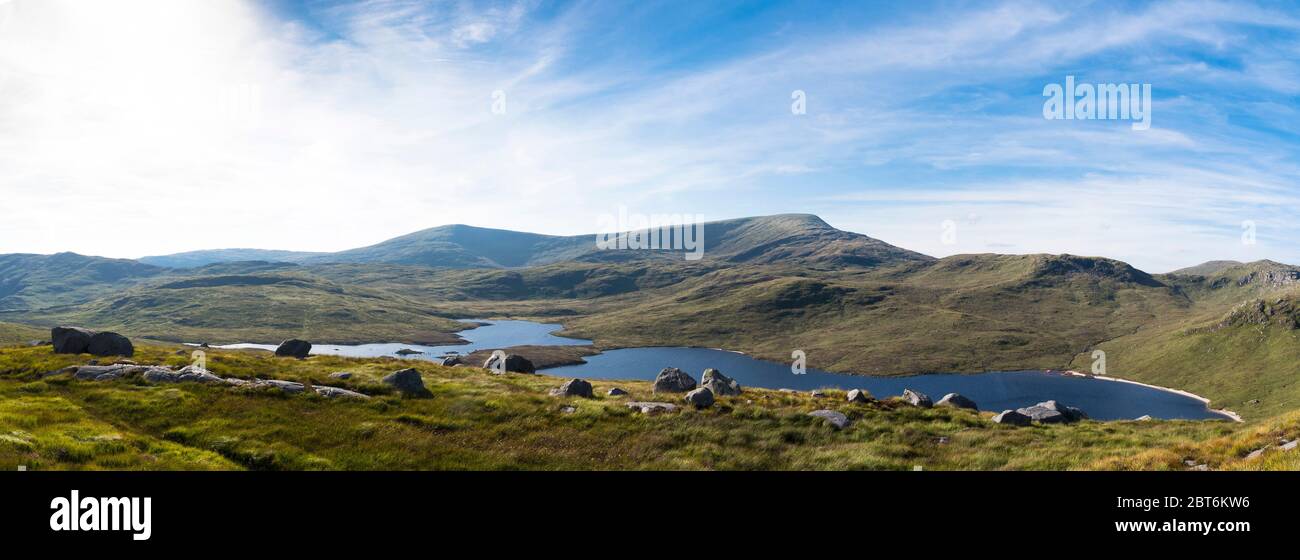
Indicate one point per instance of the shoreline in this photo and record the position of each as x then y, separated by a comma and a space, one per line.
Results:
1230, 414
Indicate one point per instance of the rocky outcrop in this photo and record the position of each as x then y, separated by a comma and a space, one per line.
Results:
573, 388
616, 392
956, 400
859, 396
673, 380
700, 398
408, 382
338, 393
835, 419
1012, 418
187, 374
341, 375
294, 348
652, 407
917, 399
720, 384
70, 340
1052, 412
512, 363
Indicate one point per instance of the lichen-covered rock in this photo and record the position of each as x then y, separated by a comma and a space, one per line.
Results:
408, 382
573, 388
700, 398
1012, 418
859, 396
917, 398
720, 384
512, 363
835, 419
956, 400
673, 380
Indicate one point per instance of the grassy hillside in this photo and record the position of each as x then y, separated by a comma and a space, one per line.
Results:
477, 420
12, 333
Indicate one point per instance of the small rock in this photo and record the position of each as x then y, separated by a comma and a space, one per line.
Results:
837, 420
1012, 418
917, 399
336, 393
1145, 418
957, 401
673, 380
290, 387
294, 348
859, 396
568, 409
1256, 453
573, 388
182, 352
652, 407
1289, 445
452, 361
720, 384
616, 392
408, 382
700, 398
817, 394
341, 375
513, 363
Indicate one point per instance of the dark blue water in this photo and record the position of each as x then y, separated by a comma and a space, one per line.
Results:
495, 334
1101, 399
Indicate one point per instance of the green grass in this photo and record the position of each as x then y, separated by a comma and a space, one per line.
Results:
477, 420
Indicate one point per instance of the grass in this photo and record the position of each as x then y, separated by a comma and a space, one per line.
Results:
477, 420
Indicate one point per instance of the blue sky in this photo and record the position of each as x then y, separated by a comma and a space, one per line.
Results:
329, 125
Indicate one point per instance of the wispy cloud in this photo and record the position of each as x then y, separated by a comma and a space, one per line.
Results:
330, 126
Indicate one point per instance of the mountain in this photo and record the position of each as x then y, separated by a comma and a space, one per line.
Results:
29, 281
194, 259
785, 238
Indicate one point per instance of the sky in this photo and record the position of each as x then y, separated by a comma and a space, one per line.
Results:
145, 127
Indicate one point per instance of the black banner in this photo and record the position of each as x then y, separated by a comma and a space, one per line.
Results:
1088, 507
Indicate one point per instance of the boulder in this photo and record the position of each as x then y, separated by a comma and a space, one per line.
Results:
616, 392
70, 340
859, 396
720, 384
917, 399
1012, 418
836, 420
513, 363
337, 393
187, 374
341, 375
673, 380
1052, 412
110, 344
294, 348
451, 361
1145, 418
700, 398
652, 407
573, 388
408, 382
817, 394
955, 400
290, 387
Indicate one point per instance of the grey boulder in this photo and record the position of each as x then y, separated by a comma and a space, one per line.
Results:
573, 388
1052, 412
700, 398
956, 400
341, 375
836, 420
70, 340
512, 363
294, 348
337, 393
616, 392
720, 384
859, 396
1012, 418
408, 382
917, 399
673, 380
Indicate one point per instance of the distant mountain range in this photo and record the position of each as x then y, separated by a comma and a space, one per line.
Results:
801, 238
1223, 329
